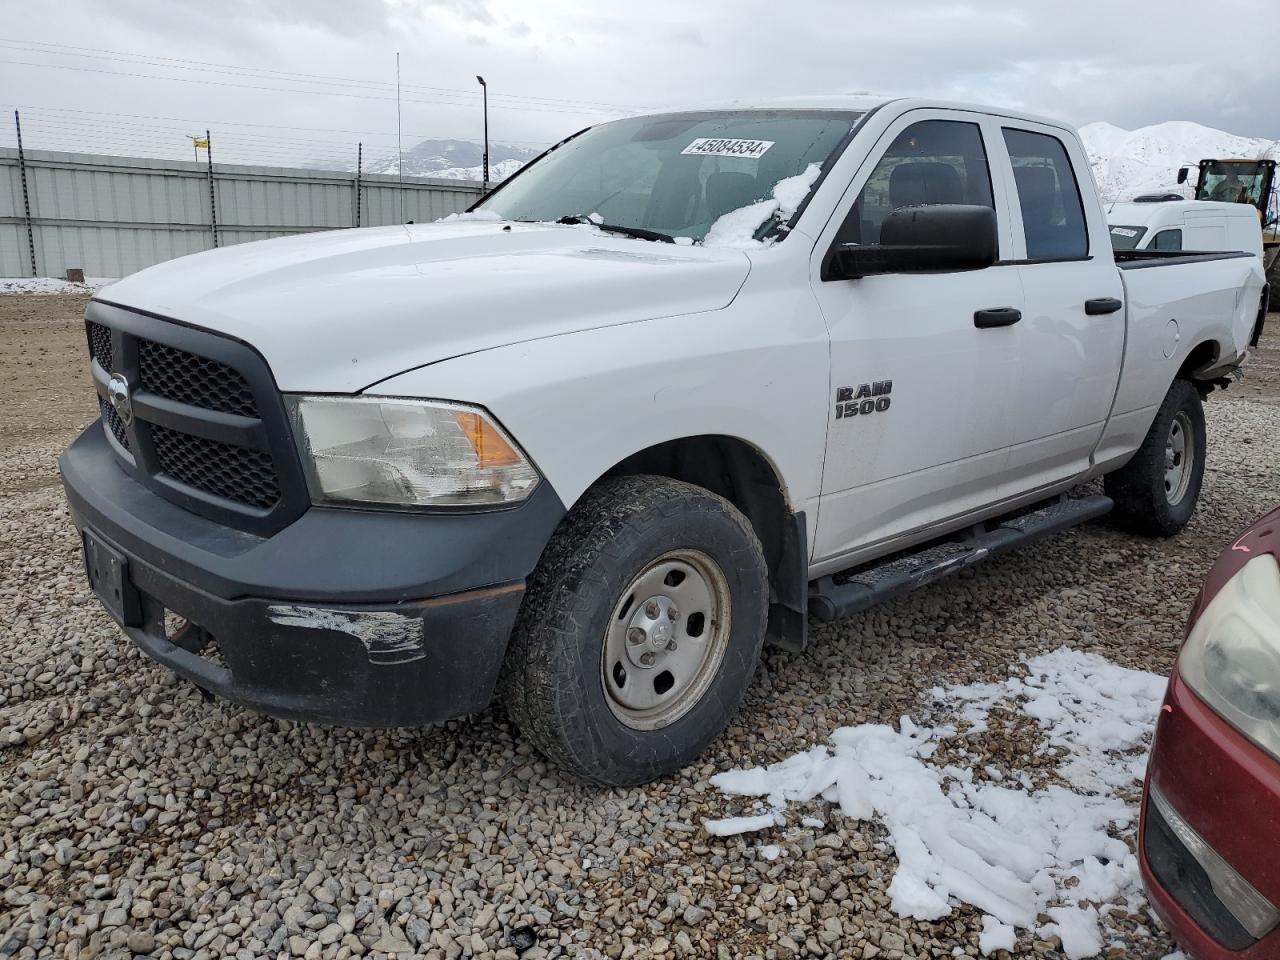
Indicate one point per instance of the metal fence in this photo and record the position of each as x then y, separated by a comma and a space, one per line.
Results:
111, 216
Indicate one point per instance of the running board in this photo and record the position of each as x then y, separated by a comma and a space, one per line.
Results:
842, 594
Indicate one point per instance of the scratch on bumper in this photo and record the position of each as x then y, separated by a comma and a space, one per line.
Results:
389, 637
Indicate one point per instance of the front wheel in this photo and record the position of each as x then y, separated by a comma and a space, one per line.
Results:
1156, 492
640, 630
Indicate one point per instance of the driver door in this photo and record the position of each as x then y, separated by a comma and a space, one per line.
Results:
927, 435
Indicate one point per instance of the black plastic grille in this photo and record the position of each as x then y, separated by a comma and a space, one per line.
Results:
235, 473
113, 422
199, 381
184, 383
100, 345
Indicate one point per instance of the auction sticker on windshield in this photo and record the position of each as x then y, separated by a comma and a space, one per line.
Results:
726, 147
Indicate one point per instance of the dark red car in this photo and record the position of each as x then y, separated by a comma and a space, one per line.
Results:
1209, 840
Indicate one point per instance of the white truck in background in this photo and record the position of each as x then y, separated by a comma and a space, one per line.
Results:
680, 383
1173, 223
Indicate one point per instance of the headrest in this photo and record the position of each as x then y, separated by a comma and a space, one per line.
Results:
924, 182
729, 191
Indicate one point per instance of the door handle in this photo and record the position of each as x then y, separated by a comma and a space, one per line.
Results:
996, 317
1100, 305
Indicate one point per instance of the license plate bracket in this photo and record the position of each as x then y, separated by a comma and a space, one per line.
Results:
108, 571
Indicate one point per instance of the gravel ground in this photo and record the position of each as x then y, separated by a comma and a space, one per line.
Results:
136, 817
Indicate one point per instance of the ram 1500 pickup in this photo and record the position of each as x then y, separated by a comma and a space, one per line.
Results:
683, 381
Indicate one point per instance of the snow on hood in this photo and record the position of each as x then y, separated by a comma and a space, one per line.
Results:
341, 310
991, 839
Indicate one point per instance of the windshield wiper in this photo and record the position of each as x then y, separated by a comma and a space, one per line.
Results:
638, 232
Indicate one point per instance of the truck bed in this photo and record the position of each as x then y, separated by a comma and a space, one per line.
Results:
1169, 314
1139, 259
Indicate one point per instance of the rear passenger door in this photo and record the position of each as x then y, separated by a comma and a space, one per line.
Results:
1071, 336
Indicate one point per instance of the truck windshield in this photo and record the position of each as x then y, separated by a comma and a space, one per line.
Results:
723, 178
1126, 238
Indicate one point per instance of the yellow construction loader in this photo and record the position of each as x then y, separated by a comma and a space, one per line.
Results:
1244, 181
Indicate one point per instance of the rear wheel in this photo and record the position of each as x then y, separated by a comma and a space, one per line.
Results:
640, 630
1156, 491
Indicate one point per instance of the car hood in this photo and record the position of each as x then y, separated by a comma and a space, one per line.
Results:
341, 310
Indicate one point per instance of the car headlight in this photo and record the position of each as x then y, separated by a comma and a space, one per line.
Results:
394, 452
1232, 655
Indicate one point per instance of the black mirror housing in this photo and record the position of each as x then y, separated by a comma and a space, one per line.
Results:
1182, 174
936, 238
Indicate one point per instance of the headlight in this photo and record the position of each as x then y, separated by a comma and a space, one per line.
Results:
1232, 656
406, 453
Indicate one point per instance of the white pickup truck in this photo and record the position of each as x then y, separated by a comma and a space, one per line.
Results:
681, 382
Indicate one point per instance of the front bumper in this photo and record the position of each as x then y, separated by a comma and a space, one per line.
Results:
1228, 792
349, 617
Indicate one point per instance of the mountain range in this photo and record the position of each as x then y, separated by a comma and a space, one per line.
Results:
1127, 163
455, 160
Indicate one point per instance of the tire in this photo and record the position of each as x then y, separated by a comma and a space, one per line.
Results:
1156, 492
596, 585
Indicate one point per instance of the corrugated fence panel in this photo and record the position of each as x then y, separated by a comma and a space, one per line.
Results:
112, 216
15, 261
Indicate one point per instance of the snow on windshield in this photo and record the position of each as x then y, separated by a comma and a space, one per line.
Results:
992, 838
485, 216
737, 228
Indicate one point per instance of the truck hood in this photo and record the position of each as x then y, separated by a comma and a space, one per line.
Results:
341, 310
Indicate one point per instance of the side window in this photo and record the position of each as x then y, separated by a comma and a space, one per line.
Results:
930, 162
1052, 213
1167, 240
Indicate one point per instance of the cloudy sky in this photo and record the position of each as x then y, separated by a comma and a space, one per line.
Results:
286, 80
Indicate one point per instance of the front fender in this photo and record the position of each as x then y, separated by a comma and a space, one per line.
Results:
580, 403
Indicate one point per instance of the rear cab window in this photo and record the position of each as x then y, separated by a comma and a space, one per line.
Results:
1170, 239
1052, 210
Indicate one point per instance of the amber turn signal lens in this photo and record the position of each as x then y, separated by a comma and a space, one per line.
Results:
492, 449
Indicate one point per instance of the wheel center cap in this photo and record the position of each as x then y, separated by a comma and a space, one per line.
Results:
651, 632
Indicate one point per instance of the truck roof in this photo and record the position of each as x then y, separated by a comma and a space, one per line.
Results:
862, 103
1171, 211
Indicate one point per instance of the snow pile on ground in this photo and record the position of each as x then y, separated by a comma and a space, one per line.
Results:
737, 228
51, 285
997, 843
1127, 163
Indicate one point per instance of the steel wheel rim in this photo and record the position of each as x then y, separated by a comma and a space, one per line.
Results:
666, 638
1179, 455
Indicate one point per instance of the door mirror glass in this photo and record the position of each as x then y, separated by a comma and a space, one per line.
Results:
941, 237
1182, 174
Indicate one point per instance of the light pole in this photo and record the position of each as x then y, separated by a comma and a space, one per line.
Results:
484, 184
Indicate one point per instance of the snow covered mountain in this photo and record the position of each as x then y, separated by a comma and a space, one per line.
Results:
455, 160
497, 171
1131, 162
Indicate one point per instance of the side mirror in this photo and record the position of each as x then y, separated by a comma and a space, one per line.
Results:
1182, 174
943, 237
